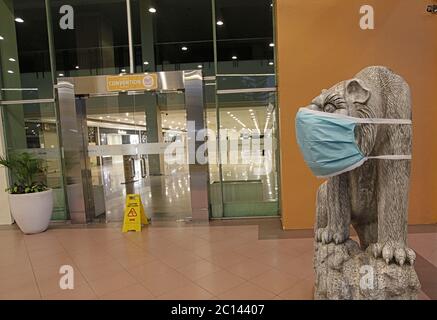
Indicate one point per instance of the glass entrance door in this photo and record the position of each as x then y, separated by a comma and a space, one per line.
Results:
128, 135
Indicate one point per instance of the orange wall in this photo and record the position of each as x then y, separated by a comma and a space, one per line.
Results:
319, 43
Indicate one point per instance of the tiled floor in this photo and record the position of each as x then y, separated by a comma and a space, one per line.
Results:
219, 261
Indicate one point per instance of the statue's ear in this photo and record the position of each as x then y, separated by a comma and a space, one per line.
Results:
356, 91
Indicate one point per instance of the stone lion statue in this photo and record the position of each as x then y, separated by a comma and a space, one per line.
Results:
374, 196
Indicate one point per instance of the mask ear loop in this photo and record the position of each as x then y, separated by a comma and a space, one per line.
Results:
386, 121
391, 157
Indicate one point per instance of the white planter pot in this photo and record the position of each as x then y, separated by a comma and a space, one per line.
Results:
32, 211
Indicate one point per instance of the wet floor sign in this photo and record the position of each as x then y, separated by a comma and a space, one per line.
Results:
134, 215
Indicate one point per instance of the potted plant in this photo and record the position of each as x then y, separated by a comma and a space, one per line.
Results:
31, 202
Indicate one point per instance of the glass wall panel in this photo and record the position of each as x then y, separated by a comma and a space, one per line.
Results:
24, 53
32, 128
173, 35
94, 41
244, 36
248, 154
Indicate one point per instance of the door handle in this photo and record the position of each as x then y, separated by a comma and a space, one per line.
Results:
143, 166
132, 164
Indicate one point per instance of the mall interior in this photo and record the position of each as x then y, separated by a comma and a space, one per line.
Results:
239, 229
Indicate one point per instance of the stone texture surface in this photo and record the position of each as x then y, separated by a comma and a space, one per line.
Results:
344, 271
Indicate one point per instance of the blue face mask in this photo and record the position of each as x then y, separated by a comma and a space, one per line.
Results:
327, 141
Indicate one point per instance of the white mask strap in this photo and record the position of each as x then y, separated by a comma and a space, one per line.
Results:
382, 121
391, 157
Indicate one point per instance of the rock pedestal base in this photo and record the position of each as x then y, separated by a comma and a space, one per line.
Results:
344, 271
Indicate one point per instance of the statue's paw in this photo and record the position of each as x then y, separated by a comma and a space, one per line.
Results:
393, 251
327, 235
324, 235
340, 237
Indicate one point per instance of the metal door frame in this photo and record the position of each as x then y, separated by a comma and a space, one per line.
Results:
77, 176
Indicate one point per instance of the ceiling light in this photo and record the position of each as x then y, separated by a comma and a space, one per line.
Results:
271, 63
146, 62
250, 110
100, 118
19, 20
219, 22
152, 10
10, 71
61, 74
123, 70
200, 66
271, 44
234, 57
12, 59
1, 38
77, 67
127, 114
118, 120
184, 48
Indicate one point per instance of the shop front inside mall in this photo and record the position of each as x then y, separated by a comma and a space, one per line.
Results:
183, 113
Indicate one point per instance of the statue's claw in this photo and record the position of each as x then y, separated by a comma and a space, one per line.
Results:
393, 251
326, 236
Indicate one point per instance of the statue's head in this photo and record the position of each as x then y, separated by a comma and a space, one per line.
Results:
347, 97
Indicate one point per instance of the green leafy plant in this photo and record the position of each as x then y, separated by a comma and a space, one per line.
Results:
27, 171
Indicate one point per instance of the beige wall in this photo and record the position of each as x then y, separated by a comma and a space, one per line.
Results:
5, 216
319, 43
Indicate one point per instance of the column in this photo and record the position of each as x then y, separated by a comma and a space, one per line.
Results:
154, 134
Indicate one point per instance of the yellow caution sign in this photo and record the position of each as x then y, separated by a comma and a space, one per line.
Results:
134, 215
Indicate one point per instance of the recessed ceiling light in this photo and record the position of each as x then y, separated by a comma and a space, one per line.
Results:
200, 66
146, 62
19, 20
123, 70
271, 44
1, 38
184, 48
10, 71
61, 74
271, 63
152, 10
77, 67
219, 22
234, 57
12, 59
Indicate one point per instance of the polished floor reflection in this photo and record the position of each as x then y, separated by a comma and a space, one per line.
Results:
166, 197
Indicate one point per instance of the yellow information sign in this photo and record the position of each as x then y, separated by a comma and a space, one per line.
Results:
133, 82
134, 215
